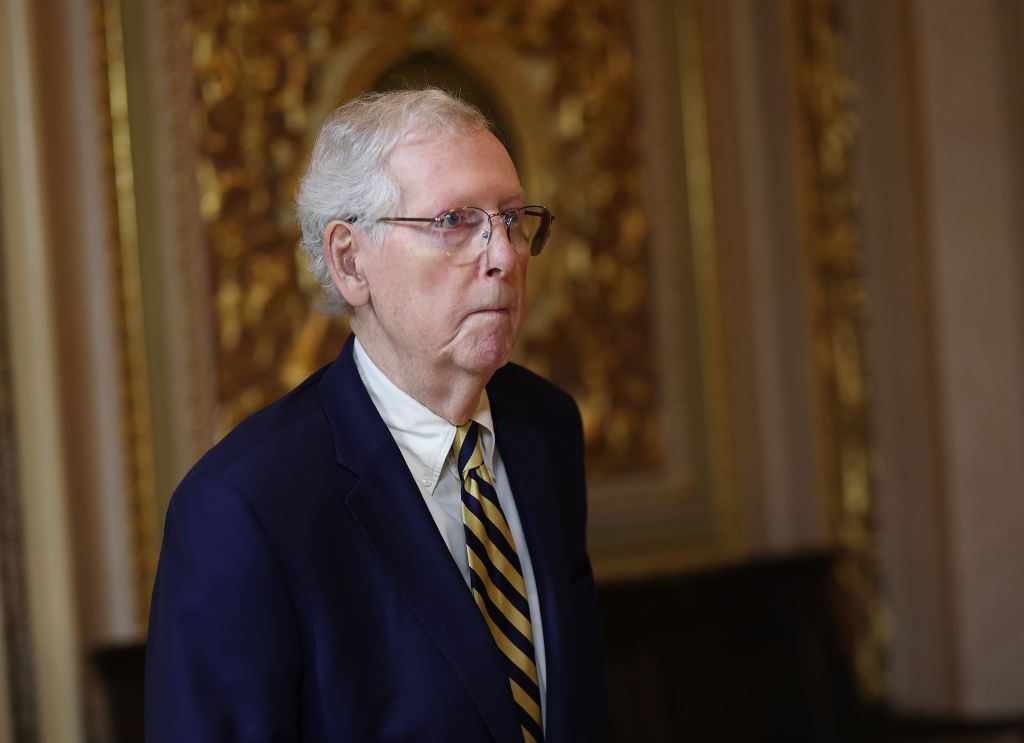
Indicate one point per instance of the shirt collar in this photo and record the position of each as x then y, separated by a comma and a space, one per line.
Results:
424, 438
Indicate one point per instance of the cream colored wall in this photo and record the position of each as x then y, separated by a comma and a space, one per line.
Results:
6, 734
759, 254
754, 128
767, 202
941, 84
942, 200
34, 352
979, 318
905, 407
73, 177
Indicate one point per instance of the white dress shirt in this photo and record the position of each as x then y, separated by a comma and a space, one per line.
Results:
425, 440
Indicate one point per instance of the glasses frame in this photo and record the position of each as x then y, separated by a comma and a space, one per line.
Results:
545, 235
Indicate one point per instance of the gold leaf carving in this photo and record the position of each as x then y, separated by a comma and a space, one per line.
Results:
828, 102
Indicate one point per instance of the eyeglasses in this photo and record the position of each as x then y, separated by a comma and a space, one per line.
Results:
458, 230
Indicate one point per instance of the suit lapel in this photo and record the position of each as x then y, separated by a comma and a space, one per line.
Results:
390, 511
531, 477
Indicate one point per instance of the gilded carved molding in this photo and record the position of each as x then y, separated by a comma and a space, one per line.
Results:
830, 129
562, 81
127, 312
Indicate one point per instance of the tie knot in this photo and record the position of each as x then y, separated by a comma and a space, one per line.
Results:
467, 447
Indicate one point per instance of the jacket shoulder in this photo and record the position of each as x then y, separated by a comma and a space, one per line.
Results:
525, 393
293, 423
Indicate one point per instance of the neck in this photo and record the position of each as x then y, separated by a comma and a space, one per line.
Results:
451, 394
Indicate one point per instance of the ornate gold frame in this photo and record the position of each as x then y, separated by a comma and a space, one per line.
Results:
829, 138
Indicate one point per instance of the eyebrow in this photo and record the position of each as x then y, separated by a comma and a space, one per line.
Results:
506, 202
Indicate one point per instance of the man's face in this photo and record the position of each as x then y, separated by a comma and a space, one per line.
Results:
435, 317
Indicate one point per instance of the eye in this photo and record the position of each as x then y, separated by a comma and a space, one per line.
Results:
460, 219
453, 220
511, 218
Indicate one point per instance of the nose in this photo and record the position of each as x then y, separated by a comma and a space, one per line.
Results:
499, 255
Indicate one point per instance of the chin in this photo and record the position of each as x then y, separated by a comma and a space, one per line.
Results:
489, 354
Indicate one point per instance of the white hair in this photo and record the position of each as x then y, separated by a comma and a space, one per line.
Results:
348, 177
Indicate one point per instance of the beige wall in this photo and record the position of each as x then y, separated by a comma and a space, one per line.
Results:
34, 353
774, 316
6, 733
942, 207
975, 245
73, 178
940, 86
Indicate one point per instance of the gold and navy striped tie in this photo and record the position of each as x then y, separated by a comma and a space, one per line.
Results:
496, 579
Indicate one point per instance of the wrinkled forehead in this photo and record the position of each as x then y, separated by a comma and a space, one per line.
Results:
447, 170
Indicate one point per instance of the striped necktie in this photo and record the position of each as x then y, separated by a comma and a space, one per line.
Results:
496, 578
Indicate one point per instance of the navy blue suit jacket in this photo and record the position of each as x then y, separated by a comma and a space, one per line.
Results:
304, 592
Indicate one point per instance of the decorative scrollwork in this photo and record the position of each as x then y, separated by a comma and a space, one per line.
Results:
828, 100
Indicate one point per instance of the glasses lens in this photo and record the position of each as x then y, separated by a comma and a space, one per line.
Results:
467, 230
461, 228
535, 227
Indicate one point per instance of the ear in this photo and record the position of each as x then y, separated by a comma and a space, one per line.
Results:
341, 250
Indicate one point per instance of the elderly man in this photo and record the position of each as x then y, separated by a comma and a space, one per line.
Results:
395, 551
